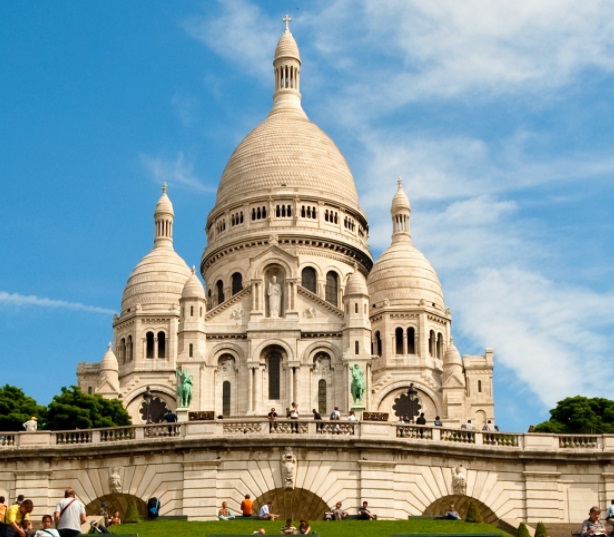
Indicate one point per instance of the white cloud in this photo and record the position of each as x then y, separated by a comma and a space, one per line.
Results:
15, 299
185, 108
178, 172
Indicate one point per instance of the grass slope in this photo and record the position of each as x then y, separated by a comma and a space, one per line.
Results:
345, 528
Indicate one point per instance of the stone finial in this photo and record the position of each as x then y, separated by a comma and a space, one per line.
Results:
287, 20
164, 187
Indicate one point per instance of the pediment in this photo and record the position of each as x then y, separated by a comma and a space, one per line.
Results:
454, 380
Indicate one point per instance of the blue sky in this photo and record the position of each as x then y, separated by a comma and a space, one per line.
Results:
499, 116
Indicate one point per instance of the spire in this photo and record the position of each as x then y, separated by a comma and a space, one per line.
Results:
287, 64
163, 219
400, 211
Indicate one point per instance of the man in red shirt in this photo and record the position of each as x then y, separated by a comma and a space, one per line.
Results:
247, 506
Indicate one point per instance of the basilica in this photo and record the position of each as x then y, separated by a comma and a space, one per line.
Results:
294, 308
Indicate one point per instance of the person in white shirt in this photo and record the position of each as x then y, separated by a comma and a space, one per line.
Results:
47, 530
265, 512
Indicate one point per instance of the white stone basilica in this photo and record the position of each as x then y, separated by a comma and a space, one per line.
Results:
294, 300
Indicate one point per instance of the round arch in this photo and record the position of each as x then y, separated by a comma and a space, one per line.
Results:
259, 351
163, 397
116, 502
461, 504
319, 346
293, 503
404, 385
226, 348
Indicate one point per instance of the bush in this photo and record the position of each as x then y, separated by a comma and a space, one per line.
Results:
522, 531
540, 530
132, 513
473, 513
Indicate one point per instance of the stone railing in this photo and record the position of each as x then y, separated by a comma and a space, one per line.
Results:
367, 430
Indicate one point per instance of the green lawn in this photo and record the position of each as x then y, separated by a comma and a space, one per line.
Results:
345, 528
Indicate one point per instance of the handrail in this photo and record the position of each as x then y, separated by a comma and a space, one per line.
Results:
230, 428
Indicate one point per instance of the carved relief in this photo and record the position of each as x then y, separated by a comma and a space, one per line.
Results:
116, 477
288, 467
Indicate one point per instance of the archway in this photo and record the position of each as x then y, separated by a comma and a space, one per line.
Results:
293, 503
461, 503
116, 502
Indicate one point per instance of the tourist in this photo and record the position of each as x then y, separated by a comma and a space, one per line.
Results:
69, 514
171, 417
468, 425
438, 422
247, 506
272, 417
335, 414
421, 420
592, 525
352, 416
451, 513
47, 530
338, 513
364, 513
318, 417
224, 513
259, 532
15, 515
488, 426
294, 418
31, 425
26, 525
304, 528
608, 517
115, 520
3, 508
288, 529
265, 512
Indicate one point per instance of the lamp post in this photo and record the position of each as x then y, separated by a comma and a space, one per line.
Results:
147, 398
414, 404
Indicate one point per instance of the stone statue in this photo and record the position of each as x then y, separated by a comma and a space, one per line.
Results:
288, 468
358, 384
115, 479
184, 387
274, 294
459, 480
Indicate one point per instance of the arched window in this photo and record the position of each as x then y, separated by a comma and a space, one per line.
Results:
332, 286
439, 345
220, 291
322, 397
356, 307
130, 349
432, 343
237, 283
149, 345
191, 311
89, 390
479, 385
122, 350
191, 351
161, 345
356, 347
398, 341
226, 398
308, 279
411, 341
274, 370
378, 343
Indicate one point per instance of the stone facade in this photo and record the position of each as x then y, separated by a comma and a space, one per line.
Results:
293, 301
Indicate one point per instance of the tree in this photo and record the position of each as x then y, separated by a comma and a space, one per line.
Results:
523, 531
473, 513
132, 513
582, 415
73, 409
16, 408
540, 530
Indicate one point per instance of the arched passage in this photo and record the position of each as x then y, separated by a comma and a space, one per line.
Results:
116, 502
294, 503
461, 503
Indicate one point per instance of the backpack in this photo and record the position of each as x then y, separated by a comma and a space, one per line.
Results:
153, 508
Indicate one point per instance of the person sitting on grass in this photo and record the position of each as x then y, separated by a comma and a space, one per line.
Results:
224, 513
451, 513
364, 513
338, 513
265, 512
47, 530
592, 525
259, 532
304, 528
288, 529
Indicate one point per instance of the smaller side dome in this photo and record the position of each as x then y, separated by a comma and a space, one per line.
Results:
356, 284
109, 361
452, 356
193, 288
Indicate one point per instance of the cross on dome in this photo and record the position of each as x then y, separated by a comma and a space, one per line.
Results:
400, 183
287, 20
164, 185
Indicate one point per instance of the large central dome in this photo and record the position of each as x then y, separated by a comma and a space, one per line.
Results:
287, 151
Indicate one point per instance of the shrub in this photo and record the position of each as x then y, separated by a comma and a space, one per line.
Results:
473, 513
540, 530
132, 513
522, 531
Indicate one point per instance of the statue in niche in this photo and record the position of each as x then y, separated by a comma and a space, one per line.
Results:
358, 384
459, 480
288, 468
274, 294
115, 479
184, 387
